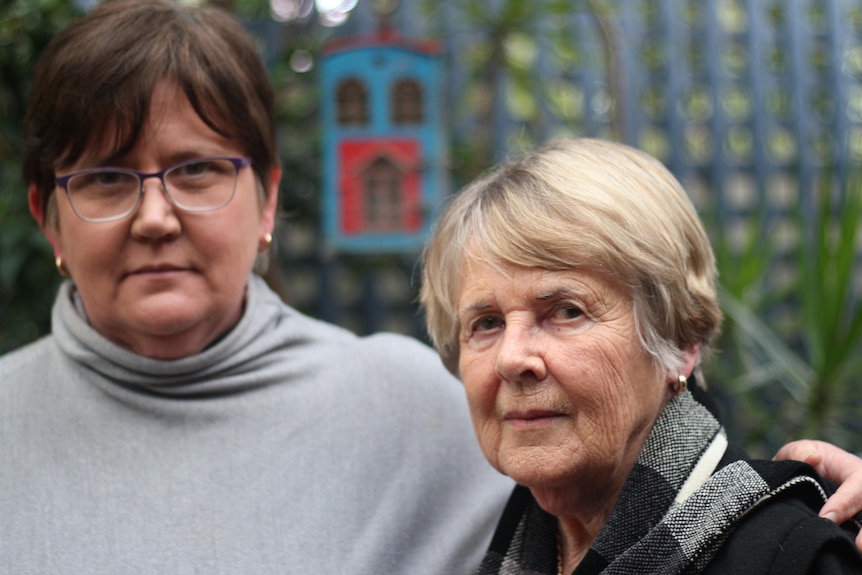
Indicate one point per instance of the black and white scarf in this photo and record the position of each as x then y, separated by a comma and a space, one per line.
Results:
674, 512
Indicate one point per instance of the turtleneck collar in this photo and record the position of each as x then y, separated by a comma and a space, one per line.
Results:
219, 369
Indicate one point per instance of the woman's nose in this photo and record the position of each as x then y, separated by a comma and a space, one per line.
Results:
156, 217
520, 356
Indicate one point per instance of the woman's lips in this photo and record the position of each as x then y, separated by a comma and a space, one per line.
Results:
157, 269
531, 419
157, 273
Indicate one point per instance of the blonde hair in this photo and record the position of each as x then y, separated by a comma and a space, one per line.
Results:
583, 204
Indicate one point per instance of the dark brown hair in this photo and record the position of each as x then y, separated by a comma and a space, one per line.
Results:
93, 84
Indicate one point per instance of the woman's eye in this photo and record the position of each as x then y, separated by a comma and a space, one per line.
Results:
194, 169
569, 312
487, 323
107, 178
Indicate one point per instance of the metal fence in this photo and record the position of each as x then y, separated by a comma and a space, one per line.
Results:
748, 102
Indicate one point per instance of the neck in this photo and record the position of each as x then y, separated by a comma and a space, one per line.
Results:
581, 514
575, 538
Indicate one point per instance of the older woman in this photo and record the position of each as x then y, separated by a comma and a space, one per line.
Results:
181, 418
573, 292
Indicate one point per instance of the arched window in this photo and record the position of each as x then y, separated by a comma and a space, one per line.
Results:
383, 197
407, 103
352, 99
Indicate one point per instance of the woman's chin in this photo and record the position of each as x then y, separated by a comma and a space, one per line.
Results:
537, 472
167, 315
168, 326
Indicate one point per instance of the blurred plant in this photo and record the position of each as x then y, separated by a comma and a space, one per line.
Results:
504, 42
28, 280
797, 376
745, 372
832, 312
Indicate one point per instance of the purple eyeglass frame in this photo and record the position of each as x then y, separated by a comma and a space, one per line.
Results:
63, 182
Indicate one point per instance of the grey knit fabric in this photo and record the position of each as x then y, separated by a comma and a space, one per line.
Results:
289, 446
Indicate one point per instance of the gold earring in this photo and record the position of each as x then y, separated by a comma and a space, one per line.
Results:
680, 385
264, 245
61, 267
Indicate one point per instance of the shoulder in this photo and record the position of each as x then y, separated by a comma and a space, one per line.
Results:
408, 367
401, 351
381, 358
786, 537
378, 371
269, 314
19, 363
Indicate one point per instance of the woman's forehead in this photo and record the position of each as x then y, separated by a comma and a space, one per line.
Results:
120, 136
486, 280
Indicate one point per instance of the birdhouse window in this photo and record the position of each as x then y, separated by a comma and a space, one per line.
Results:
352, 103
383, 197
407, 103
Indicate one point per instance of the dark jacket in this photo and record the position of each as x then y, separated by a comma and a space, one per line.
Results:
786, 537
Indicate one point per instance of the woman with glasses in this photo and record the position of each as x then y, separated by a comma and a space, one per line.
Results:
180, 418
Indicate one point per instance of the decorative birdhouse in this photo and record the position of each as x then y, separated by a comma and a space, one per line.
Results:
384, 144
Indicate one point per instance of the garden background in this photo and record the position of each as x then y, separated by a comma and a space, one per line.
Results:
755, 105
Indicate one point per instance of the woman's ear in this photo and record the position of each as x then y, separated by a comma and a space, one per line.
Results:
37, 209
37, 206
270, 207
690, 356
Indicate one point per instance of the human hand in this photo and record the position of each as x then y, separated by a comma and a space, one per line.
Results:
838, 466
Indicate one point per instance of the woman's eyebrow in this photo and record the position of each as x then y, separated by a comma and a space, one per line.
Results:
475, 307
557, 293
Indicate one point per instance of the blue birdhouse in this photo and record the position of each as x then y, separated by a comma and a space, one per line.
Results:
384, 143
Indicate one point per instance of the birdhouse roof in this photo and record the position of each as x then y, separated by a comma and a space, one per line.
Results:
385, 38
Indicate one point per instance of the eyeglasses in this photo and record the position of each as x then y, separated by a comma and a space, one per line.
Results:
108, 194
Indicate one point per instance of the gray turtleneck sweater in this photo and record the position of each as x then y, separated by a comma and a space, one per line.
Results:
289, 446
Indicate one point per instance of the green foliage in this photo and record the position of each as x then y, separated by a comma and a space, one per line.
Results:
797, 375
832, 314
505, 75
28, 280
752, 366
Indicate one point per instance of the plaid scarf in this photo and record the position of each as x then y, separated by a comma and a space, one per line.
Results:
675, 509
